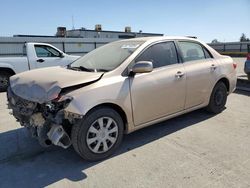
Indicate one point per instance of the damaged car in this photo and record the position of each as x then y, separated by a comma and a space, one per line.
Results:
119, 88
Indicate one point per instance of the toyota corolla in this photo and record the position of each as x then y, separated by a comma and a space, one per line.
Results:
119, 88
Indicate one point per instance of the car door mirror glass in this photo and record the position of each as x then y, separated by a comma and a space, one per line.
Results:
142, 67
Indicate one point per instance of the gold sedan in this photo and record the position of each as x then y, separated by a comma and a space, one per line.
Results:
119, 88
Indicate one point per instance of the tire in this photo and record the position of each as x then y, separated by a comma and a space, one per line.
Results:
4, 80
218, 98
248, 77
89, 129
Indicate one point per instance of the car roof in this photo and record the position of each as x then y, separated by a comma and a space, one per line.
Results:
154, 39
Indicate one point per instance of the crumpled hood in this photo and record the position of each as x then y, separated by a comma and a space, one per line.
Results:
43, 85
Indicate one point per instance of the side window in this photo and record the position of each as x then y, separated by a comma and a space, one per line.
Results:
161, 54
207, 54
191, 51
46, 51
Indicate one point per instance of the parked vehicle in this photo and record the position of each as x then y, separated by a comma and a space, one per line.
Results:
120, 88
247, 66
36, 55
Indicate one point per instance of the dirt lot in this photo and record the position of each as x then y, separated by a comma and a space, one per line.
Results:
194, 150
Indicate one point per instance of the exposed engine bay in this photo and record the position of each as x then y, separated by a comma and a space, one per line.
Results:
48, 122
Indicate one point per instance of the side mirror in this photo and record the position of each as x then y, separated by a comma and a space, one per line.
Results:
61, 55
142, 67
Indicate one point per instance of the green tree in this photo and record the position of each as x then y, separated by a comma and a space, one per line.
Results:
215, 41
243, 38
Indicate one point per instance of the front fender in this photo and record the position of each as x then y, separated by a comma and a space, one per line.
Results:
113, 91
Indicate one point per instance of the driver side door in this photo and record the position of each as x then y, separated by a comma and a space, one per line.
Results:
47, 56
161, 92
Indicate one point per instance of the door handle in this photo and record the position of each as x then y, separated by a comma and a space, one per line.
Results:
179, 74
213, 67
40, 60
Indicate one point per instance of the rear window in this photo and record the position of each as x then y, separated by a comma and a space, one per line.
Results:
207, 54
191, 51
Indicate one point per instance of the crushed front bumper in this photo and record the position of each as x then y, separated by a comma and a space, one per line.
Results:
46, 122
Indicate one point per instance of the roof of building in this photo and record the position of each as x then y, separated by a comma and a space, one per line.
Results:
122, 32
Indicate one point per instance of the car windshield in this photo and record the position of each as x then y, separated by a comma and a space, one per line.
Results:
107, 57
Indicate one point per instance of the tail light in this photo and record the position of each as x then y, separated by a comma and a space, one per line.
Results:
248, 56
234, 65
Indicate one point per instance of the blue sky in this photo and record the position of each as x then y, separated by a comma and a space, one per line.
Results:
207, 19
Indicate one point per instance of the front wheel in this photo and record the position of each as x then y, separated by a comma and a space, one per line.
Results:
218, 98
4, 80
98, 134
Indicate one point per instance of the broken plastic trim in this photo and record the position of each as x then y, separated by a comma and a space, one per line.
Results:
59, 137
75, 87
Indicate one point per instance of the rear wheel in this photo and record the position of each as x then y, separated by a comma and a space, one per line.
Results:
98, 135
218, 98
4, 80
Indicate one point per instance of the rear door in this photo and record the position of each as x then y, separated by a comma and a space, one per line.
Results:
200, 70
162, 91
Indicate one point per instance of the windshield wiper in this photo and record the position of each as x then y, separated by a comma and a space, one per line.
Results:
86, 69
81, 68
101, 70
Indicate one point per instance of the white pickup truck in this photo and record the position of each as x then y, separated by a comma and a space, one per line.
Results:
36, 55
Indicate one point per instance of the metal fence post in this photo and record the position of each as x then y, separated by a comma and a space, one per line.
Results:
63, 44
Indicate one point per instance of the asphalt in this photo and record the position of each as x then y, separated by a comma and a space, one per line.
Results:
193, 150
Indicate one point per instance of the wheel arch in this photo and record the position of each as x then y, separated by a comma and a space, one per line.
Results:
117, 108
225, 81
8, 70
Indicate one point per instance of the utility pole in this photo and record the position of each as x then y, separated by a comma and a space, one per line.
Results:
73, 22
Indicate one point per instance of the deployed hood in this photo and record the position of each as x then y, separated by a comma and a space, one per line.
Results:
43, 85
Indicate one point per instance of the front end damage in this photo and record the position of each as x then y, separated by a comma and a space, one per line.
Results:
48, 122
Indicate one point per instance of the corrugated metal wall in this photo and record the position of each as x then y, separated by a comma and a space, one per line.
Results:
231, 46
13, 46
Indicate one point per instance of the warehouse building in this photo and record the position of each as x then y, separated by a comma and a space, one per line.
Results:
99, 33
75, 41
